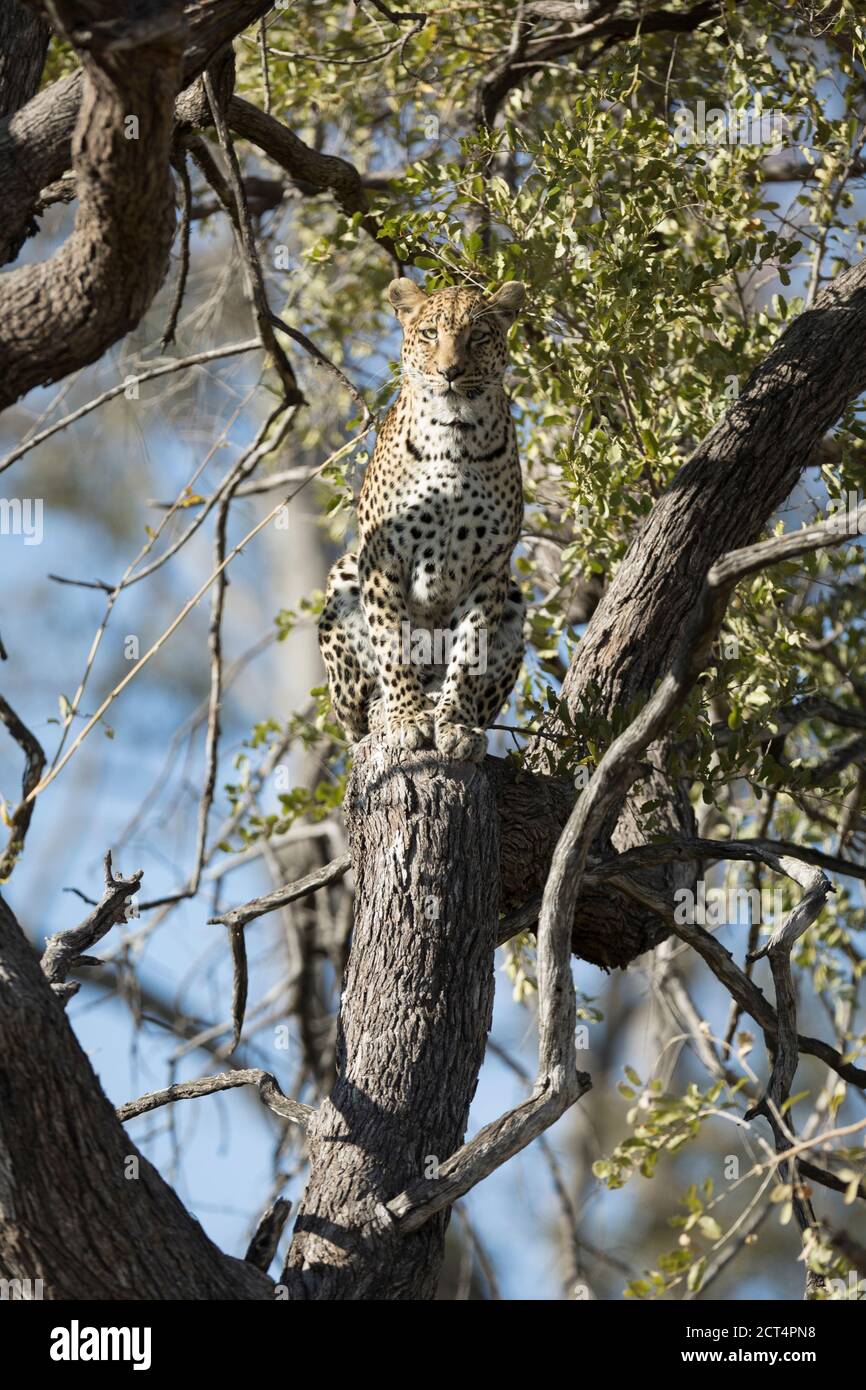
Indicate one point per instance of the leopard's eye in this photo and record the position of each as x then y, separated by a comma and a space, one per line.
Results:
478, 336
429, 334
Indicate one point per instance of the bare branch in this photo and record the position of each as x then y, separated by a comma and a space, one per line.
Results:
149, 374
174, 624
326, 172
318, 356
19, 820
64, 951
255, 285
240, 982
185, 216
757, 851
257, 907
267, 1085
266, 1237
800, 919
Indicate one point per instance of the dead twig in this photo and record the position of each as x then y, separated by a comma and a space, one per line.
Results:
34, 762
64, 951
267, 1085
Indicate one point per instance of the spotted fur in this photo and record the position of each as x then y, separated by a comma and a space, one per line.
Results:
407, 618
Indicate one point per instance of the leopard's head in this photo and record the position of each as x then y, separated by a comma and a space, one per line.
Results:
455, 340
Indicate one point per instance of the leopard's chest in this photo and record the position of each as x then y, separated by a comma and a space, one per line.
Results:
455, 514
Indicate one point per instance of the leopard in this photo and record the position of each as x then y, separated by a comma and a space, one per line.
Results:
422, 628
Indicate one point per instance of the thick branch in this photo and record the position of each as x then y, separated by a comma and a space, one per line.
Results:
719, 500
62, 313
325, 172
36, 143
83, 1210
723, 497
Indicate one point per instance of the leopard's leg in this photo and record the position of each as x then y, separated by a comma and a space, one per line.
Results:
345, 646
407, 718
504, 658
463, 703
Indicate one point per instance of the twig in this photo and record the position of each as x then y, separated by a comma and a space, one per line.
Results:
266, 1238
398, 16
34, 762
263, 55
186, 730
485, 1263
240, 982
266, 1084
238, 917
253, 488
64, 951
308, 166
316, 353
784, 1044
184, 613
215, 646
185, 212
632, 424
255, 284
755, 1219
825, 1178
150, 374
129, 577
571, 1219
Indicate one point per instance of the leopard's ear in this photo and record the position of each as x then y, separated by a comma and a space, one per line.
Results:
405, 297
507, 301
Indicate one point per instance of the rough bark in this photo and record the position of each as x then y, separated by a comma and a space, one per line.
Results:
62, 313
23, 45
415, 1014
36, 142
70, 1212
609, 929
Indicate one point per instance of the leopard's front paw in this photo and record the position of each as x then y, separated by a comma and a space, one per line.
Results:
410, 731
461, 742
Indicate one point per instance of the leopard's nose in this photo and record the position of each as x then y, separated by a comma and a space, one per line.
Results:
449, 373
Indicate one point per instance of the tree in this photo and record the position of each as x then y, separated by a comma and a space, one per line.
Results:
693, 697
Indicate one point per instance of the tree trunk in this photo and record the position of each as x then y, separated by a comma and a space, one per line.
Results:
414, 1019
23, 45
80, 1208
